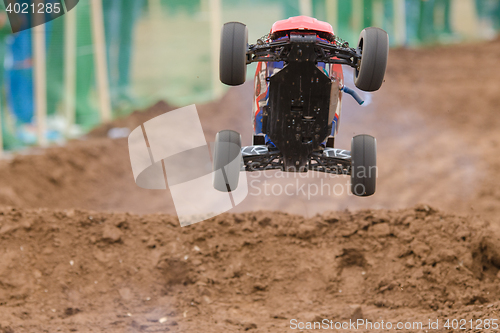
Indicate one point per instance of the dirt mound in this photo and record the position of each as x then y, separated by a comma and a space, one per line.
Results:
82, 174
82, 270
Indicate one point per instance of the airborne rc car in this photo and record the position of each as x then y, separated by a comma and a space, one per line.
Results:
299, 85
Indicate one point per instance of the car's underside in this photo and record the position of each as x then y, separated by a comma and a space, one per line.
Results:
302, 102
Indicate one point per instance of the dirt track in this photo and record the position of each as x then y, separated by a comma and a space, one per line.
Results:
81, 270
435, 121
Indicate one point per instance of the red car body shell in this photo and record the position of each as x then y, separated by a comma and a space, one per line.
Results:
267, 69
302, 23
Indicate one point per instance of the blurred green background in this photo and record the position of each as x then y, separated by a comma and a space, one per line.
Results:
174, 44
168, 50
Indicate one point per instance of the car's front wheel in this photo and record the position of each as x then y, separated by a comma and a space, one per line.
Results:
374, 48
233, 53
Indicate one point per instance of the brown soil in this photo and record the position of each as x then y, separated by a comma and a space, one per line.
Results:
86, 262
82, 270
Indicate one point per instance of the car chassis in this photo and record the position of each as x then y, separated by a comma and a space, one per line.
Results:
300, 47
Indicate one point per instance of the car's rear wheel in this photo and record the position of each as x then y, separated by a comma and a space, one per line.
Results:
233, 50
363, 165
226, 160
374, 47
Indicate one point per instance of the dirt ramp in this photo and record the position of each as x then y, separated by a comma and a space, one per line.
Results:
82, 270
92, 174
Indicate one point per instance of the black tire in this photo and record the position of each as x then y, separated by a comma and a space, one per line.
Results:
233, 50
374, 47
363, 165
227, 158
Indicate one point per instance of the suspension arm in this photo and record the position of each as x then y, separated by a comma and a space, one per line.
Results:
325, 52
